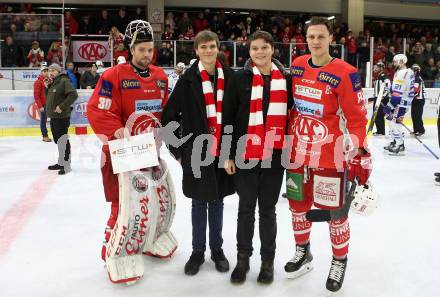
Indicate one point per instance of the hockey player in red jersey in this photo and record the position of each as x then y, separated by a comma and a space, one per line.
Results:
135, 88
328, 131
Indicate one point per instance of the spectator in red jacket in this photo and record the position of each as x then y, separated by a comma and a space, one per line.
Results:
35, 55
55, 54
351, 48
70, 24
120, 51
40, 100
200, 23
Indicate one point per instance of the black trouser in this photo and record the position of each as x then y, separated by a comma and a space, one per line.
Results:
59, 129
416, 115
201, 212
262, 185
380, 117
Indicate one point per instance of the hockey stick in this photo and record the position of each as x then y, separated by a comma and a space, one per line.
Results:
325, 215
378, 103
418, 139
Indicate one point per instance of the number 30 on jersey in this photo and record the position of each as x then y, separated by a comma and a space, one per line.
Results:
104, 103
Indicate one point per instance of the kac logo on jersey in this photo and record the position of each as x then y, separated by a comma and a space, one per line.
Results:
309, 108
329, 78
308, 92
355, 81
106, 89
310, 130
148, 106
130, 84
297, 71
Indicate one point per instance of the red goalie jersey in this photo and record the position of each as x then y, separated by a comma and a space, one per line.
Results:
121, 92
329, 115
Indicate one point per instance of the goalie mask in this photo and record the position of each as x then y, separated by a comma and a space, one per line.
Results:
365, 200
138, 31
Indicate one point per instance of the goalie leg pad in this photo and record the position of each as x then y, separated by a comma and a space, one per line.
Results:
164, 246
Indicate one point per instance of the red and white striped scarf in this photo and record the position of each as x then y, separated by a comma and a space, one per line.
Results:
263, 137
213, 110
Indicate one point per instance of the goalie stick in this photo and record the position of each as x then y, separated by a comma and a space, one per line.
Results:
324, 215
374, 115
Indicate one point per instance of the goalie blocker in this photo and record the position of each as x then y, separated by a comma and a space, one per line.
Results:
146, 211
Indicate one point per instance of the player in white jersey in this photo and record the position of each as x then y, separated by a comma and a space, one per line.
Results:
402, 94
174, 76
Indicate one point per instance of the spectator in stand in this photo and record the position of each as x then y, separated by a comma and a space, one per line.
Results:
390, 54
55, 54
120, 51
86, 26
12, 29
71, 74
200, 23
275, 33
169, 20
90, 78
436, 54
35, 55
227, 53
44, 28
139, 14
215, 24
335, 50
189, 34
11, 53
361, 39
34, 22
430, 71
70, 24
40, 100
351, 48
300, 40
104, 23
428, 53
27, 27
121, 21
184, 23
168, 34
51, 21
164, 55
416, 55
116, 37
437, 85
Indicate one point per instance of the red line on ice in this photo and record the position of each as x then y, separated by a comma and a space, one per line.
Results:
16, 218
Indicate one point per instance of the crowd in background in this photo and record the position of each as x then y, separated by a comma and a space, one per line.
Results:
422, 41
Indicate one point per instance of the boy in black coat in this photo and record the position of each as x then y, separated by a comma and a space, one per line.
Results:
196, 103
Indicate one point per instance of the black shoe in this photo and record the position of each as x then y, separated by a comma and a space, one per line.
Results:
64, 171
437, 174
221, 263
284, 195
418, 134
437, 181
55, 167
390, 146
195, 261
238, 275
336, 275
266, 272
378, 134
301, 263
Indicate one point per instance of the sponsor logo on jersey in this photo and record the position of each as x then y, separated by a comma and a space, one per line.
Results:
161, 84
310, 81
355, 81
106, 89
308, 92
148, 106
329, 78
130, 84
297, 71
309, 108
310, 130
326, 190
